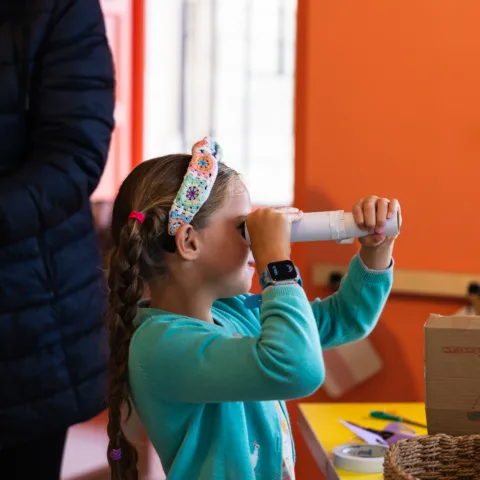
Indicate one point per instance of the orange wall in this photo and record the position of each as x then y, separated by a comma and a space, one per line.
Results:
138, 78
388, 103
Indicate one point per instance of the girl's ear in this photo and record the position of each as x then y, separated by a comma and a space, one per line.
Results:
187, 242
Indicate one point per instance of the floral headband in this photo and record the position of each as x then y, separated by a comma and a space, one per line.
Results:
197, 183
195, 189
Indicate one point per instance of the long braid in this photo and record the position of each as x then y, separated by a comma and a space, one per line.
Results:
126, 289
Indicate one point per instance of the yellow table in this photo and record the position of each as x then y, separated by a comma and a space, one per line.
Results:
322, 431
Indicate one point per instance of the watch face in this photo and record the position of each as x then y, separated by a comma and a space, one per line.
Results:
284, 270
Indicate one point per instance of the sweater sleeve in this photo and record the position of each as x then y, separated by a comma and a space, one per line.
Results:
196, 362
70, 124
352, 312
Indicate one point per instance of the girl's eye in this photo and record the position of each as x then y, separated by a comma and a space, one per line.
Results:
241, 227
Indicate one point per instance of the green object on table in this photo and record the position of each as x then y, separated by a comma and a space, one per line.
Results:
394, 418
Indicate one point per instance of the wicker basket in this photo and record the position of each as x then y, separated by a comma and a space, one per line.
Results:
434, 457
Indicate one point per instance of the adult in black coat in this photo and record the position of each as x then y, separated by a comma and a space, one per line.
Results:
56, 121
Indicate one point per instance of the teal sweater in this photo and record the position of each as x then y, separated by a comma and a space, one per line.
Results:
204, 392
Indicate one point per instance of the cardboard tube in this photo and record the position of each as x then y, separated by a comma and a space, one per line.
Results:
335, 225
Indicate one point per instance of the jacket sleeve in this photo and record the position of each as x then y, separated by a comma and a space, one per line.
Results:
70, 122
196, 362
352, 312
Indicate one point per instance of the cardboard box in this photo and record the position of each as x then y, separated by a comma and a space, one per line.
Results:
452, 374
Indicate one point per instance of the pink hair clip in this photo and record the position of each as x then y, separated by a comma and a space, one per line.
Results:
137, 216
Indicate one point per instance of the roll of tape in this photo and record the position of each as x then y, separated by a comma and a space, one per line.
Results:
362, 458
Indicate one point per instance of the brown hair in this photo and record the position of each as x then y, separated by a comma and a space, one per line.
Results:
136, 258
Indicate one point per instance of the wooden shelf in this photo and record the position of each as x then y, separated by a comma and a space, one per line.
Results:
411, 282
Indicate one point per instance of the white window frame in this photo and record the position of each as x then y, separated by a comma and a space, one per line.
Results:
225, 69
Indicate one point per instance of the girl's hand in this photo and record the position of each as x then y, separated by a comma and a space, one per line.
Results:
370, 214
270, 234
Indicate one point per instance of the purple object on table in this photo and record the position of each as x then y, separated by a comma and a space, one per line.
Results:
392, 433
400, 431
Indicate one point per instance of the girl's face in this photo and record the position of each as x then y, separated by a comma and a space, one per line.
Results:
226, 259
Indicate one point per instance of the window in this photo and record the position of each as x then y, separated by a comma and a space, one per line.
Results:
225, 69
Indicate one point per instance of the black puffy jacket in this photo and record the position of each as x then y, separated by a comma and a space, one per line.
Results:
56, 121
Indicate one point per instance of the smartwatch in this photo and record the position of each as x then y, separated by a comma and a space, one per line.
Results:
276, 273
279, 273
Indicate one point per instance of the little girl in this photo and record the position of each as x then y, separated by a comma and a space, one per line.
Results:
206, 365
